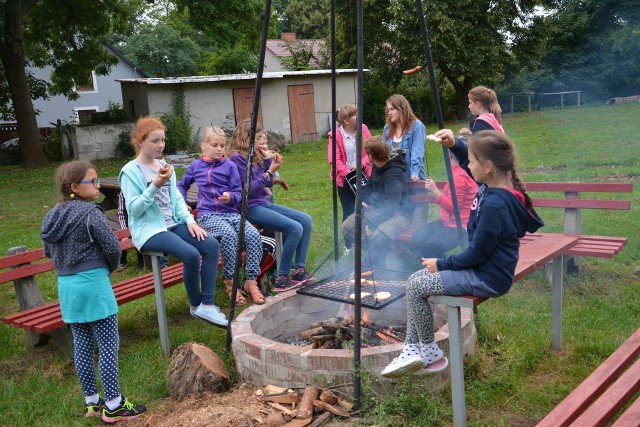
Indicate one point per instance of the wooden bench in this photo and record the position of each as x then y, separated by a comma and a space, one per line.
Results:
44, 321
598, 400
536, 250
572, 202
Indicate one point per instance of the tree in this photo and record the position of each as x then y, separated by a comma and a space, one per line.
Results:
472, 41
592, 46
65, 34
160, 51
309, 19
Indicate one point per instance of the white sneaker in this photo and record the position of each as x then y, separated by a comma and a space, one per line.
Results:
347, 252
409, 361
211, 314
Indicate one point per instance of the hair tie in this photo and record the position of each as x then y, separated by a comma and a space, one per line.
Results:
488, 90
72, 195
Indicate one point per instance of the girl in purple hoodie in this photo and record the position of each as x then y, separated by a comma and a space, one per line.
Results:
294, 224
219, 198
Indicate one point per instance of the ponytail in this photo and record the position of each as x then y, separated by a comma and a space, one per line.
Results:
489, 100
519, 185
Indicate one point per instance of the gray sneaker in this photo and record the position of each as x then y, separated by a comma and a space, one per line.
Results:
212, 315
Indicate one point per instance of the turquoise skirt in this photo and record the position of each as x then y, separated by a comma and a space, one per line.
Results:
86, 296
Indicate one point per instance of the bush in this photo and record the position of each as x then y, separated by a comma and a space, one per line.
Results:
124, 148
179, 129
52, 147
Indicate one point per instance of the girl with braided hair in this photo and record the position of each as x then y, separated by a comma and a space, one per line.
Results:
501, 213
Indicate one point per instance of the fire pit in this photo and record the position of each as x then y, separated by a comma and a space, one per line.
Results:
261, 358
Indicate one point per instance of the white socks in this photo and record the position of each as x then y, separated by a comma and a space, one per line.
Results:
113, 404
92, 400
431, 352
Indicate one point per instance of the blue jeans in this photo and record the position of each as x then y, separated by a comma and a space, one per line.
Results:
294, 224
200, 282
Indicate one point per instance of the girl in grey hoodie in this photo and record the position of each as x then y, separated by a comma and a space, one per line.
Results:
84, 251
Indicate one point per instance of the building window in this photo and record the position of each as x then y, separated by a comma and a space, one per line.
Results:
92, 87
83, 115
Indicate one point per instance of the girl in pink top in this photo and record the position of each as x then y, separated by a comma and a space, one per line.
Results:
346, 160
434, 239
483, 102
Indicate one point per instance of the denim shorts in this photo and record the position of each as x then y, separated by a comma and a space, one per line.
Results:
465, 282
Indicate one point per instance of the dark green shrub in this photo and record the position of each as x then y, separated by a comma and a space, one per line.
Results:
124, 149
52, 147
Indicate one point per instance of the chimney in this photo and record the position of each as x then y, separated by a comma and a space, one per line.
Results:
288, 37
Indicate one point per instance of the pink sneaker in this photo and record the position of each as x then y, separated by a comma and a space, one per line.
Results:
437, 366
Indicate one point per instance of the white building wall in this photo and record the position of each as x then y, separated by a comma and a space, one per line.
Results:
59, 107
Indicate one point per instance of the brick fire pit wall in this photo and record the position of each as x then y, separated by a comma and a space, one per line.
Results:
262, 359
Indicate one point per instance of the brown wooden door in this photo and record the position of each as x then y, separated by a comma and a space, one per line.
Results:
243, 104
302, 113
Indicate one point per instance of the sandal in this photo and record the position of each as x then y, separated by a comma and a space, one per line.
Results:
251, 288
228, 284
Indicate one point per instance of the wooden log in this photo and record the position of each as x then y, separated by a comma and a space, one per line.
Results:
274, 389
286, 397
289, 412
305, 335
330, 408
322, 419
298, 423
327, 396
195, 369
275, 419
305, 410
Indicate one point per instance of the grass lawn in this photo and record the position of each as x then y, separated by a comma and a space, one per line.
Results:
514, 378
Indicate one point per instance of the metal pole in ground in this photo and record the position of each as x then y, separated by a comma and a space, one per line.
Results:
245, 189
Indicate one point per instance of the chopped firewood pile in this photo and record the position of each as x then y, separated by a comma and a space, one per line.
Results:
290, 409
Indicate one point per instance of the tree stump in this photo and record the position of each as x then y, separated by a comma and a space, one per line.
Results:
195, 369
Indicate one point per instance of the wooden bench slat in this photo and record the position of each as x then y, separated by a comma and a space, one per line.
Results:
630, 417
26, 271
582, 203
11, 317
21, 258
594, 385
586, 187
45, 318
612, 400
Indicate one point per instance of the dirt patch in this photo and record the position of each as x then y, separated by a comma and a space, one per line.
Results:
237, 407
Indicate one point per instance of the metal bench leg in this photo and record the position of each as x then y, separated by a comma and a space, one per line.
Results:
456, 359
457, 367
160, 303
556, 302
278, 254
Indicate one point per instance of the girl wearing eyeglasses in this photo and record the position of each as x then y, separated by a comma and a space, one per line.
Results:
84, 250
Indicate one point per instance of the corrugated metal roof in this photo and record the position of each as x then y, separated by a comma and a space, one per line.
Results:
228, 77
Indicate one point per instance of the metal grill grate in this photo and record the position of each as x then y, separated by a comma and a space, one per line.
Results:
340, 287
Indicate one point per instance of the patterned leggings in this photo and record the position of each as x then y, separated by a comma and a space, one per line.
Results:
422, 284
105, 331
225, 228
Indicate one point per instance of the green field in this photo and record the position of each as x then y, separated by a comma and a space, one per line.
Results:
514, 378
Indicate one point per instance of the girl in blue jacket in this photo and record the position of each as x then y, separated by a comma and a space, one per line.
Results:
404, 131
219, 199
159, 220
501, 214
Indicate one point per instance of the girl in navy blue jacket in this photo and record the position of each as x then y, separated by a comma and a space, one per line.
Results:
501, 214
